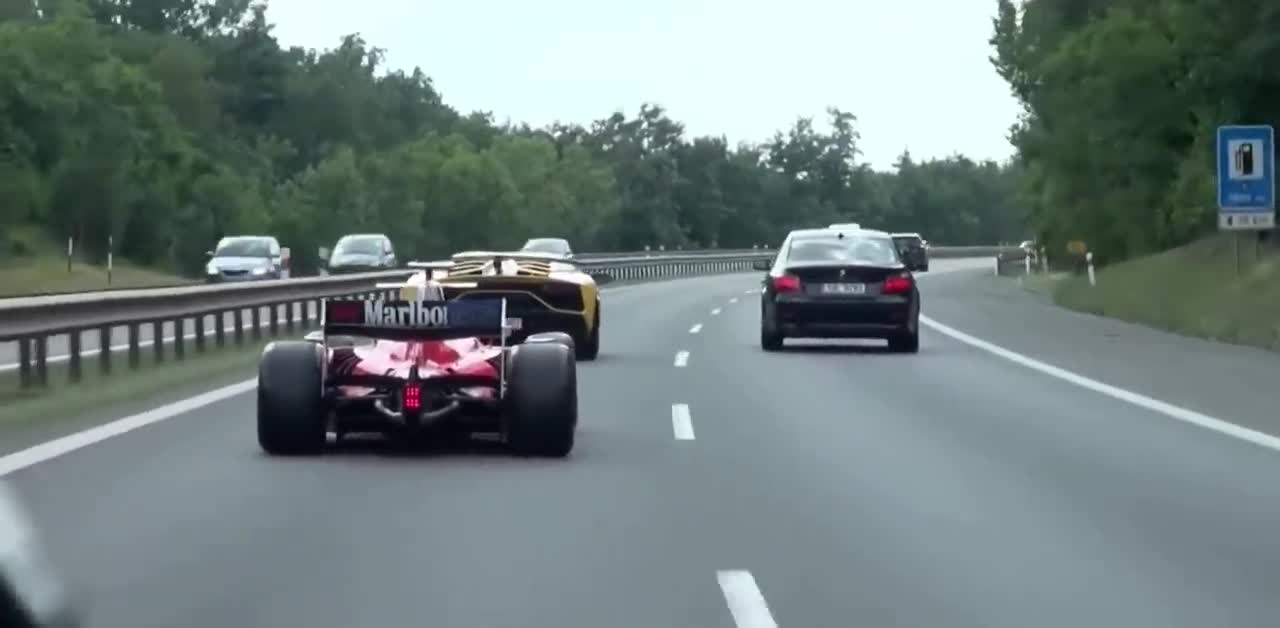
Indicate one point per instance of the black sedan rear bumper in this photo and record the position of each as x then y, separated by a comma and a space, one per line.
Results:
863, 317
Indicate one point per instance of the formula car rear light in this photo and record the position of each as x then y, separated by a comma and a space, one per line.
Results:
897, 284
412, 397
786, 283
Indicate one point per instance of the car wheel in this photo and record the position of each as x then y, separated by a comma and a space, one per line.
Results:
770, 338
291, 416
589, 348
905, 341
542, 400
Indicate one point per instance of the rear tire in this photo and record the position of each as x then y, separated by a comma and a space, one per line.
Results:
542, 400
553, 337
906, 341
291, 413
770, 338
589, 348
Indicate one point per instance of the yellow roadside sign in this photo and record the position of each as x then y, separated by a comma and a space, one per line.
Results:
1077, 247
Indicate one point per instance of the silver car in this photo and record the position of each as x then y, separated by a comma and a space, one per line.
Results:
244, 258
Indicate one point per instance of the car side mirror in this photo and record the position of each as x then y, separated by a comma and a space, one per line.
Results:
762, 264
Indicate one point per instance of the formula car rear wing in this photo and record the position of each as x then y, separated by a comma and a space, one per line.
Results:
418, 320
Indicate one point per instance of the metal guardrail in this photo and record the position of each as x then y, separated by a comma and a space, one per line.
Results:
288, 303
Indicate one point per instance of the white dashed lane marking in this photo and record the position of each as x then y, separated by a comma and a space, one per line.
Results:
746, 602
715, 312
682, 358
696, 328
681, 421
733, 300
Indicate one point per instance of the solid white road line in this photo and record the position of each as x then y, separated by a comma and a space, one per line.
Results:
1142, 401
746, 602
681, 422
682, 358
696, 328
715, 312
66, 444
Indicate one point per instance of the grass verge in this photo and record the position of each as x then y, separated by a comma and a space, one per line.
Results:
1192, 290
45, 275
31, 264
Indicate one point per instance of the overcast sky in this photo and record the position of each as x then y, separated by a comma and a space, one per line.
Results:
915, 72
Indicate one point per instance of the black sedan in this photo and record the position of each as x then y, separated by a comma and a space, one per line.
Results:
831, 283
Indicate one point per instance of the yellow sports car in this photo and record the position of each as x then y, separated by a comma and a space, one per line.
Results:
544, 292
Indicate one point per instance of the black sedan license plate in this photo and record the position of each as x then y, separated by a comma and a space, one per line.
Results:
844, 288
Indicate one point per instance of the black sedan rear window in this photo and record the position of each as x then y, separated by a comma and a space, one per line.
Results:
848, 250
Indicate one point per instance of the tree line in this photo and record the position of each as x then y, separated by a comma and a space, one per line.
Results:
1121, 101
166, 124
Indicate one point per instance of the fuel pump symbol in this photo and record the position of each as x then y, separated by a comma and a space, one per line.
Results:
1244, 160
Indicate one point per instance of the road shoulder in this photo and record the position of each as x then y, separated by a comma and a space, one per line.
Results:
1229, 382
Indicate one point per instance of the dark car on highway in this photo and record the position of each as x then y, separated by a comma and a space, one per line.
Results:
361, 253
913, 249
836, 283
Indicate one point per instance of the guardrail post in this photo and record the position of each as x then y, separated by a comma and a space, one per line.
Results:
275, 309
135, 346
220, 329
198, 321
104, 350
179, 337
157, 340
256, 317
42, 361
74, 371
238, 317
24, 363
290, 314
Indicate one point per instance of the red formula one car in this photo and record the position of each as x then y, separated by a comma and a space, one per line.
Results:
418, 366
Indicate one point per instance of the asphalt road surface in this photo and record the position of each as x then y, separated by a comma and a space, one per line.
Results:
825, 486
